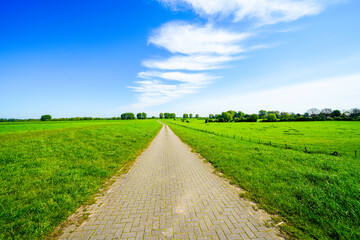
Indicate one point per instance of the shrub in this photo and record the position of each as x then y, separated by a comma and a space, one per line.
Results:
271, 117
45, 118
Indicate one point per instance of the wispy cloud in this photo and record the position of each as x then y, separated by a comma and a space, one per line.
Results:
155, 92
261, 11
191, 62
197, 49
185, 38
195, 78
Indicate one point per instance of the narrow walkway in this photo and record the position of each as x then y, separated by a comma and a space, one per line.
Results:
171, 193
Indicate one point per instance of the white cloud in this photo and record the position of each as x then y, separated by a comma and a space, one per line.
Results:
262, 11
191, 62
184, 38
154, 92
194, 78
202, 48
196, 48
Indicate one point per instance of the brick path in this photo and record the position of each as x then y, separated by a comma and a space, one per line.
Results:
171, 193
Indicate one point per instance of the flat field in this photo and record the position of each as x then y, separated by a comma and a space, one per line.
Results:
49, 169
22, 127
316, 195
318, 137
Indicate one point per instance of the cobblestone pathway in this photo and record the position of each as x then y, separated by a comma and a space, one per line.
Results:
170, 193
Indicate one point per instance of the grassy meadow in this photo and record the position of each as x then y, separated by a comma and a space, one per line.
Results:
317, 195
318, 137
49, 169
22, 127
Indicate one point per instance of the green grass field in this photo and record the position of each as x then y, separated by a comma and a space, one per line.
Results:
18, 127
317, 195
49, 169
318, 137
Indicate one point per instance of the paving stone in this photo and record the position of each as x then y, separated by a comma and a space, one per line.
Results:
170, 193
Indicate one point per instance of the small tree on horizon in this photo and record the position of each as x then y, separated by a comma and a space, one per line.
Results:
141, 115
335, 113
254, 117
313, 112
127, 116
272, 117
227, 116
46, 117
262, 114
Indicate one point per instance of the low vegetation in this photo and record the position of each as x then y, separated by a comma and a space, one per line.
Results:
47, 173
324, 137
312, 114
317, 195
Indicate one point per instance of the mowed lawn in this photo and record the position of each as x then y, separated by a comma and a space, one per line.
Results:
316, 195
49, 169
318, 137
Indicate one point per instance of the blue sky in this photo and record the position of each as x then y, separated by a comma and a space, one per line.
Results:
92, 58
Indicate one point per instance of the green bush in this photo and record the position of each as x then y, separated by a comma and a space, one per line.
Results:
45, 118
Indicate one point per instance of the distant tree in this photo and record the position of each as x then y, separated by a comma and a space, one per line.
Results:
161, 115
232, 113
197, 116
185, 115
239, 115
277, 113
172, 115
211, 116
143, 115
167, 115
313, 112
254, 117
326, 112
190, 115
138, 116
45, 118
284, 116
226, 116
127, 116
355, 112
272, 117
335, 113
262, 114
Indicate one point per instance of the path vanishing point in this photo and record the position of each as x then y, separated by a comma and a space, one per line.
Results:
170, 193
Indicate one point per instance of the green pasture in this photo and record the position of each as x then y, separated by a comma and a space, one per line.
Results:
318, 137
49, 169
13, 127
317, 195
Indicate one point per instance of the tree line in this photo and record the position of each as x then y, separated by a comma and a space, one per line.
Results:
47, 117
167, 115
313, 114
